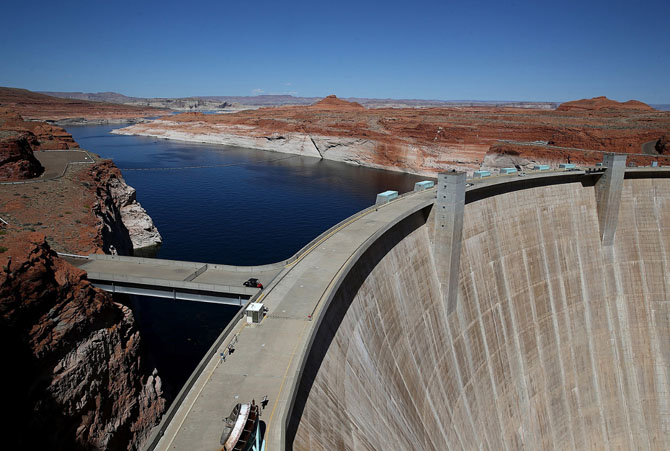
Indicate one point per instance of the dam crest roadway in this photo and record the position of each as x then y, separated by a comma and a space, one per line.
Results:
315, 378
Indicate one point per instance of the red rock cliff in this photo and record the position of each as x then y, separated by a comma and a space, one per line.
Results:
73, 376
19, 140
42, 135
17, 160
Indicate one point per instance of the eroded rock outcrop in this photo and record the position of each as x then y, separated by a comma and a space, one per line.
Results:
42, 136
143, 233
602, 103
19, 140
125, 227
331, 102
74, 378
663, 145
17, 160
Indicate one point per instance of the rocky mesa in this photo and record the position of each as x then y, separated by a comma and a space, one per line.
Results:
602, 103
428, 140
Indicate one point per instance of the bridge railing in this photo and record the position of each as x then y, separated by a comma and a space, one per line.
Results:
172, 284
183, 264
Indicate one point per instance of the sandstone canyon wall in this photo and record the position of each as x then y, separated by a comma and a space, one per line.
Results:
124, 226
73, 376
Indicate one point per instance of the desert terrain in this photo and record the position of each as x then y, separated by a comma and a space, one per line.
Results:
78, 378
78, 200
429, 140
33, 105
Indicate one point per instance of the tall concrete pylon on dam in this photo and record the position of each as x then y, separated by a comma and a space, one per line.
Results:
608, 195
450, 206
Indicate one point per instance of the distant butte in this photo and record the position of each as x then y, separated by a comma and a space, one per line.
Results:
602, 103
333, 103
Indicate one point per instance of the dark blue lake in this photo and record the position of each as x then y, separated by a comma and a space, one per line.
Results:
218, 204
255, 207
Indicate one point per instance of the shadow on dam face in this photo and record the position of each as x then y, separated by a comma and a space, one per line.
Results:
556, 341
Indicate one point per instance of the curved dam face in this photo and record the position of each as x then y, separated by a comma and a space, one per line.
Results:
555, 341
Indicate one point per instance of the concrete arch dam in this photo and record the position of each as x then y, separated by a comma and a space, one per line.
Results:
509, 313
554, 336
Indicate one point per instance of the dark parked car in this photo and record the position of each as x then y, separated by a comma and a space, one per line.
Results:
253, 283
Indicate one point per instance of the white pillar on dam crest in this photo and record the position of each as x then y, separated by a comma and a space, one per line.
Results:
449, 208
608, 195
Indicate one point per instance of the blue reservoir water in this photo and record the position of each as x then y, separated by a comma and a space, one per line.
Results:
218, 204
253, 207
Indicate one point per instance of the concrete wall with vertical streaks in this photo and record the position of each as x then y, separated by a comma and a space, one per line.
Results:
556, 341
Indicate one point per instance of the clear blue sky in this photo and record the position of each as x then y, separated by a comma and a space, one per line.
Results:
481, 50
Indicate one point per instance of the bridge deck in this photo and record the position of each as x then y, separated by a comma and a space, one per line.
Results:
211, 275
235, 278
182, 280
120, 268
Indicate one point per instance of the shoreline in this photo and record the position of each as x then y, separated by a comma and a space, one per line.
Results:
397, 156
353, 151
101, 121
